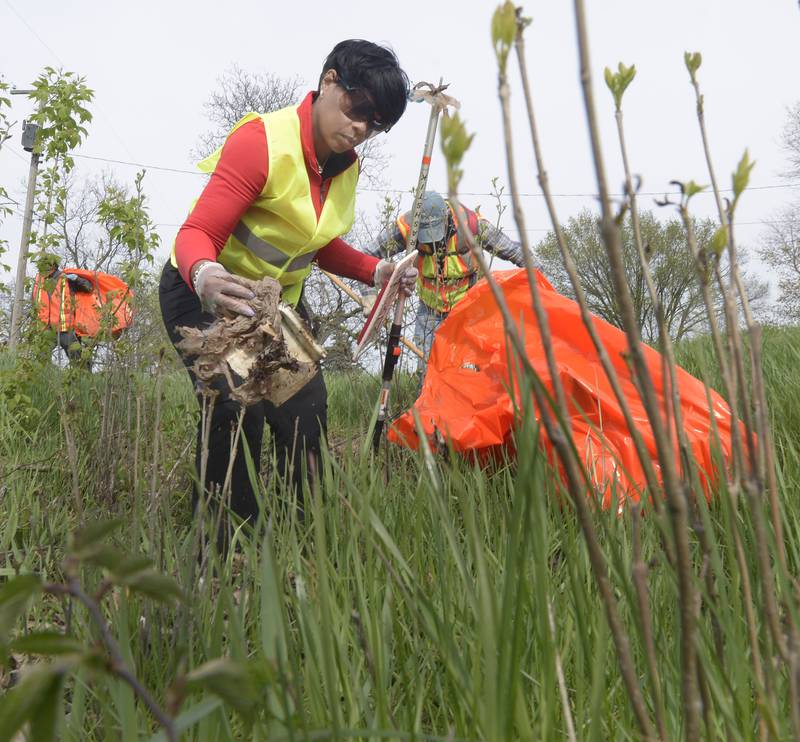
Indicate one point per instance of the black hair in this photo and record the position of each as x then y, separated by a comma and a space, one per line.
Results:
376, 69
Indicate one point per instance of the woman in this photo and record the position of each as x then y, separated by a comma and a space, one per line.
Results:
281, 193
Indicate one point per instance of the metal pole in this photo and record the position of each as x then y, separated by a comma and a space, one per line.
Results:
22, 258
393, 346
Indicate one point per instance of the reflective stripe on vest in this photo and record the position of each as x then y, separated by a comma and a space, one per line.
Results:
269, 253
280, 233
64, 297
61, 323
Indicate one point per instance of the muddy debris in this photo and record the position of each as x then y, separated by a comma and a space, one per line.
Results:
269, 356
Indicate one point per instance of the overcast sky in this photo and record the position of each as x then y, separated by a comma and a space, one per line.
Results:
152, 65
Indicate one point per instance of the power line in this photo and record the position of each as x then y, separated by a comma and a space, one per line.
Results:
17, 213
61, 63
365, 190
33, 31
769, 186
16, 154
137, 164
762, 223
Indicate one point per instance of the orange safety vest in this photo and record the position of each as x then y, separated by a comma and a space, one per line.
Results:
60, 309
445, 279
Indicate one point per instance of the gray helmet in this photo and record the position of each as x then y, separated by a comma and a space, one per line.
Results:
433, 221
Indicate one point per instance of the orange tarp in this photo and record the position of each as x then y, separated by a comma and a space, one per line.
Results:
82, 311
465, 396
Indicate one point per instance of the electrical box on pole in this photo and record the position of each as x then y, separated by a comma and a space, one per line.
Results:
29, 130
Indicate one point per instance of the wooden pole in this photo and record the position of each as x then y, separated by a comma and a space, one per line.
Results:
356, 297
22, 258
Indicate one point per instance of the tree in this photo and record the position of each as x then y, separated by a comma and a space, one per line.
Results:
791, 140
780, 250
61, 112
6, 202
671, 264
238, 92
103, 225
780, 245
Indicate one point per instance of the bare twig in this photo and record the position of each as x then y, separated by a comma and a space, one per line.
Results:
72, 457
570, 266
562, 683
675, 497
639, 574
577, 484
117, 664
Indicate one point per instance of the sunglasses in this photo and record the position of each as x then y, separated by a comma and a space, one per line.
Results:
357, 106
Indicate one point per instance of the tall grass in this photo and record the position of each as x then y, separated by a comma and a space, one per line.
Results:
408, 606
422, 597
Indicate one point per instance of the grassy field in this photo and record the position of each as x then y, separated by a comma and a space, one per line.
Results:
421, 599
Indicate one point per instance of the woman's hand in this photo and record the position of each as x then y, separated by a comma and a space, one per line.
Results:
384, 271
220, 292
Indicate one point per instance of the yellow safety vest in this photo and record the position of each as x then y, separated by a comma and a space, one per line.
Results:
443, 281
280, 234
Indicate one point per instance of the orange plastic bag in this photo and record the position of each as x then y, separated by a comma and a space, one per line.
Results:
81, 311
465, 397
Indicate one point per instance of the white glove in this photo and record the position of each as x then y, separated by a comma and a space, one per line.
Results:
368, 298
220, 292
384, 270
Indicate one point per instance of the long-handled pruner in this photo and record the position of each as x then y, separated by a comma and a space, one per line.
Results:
433, 94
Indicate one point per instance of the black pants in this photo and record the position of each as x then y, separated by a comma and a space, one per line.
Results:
297, 425
72, 346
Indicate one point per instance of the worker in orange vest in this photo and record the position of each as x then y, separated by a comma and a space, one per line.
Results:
446, 267
62, 286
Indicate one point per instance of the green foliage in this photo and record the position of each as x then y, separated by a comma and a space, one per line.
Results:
618, 82
17, 384
129, 225
62, 99
671, 264
692, 60
504, 31
50, 643
86, 540
740, 178
691, 188
229, 680
430, 589
455, 143
14, 597
35, 700
38, 697
719, 241
150, 583
5, 201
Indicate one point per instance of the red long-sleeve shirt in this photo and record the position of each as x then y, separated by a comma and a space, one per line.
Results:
236, 182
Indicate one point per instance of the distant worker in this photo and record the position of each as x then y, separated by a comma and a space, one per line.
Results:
446, 266
74, 304
55, 293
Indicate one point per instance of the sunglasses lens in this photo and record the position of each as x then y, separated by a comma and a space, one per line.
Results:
358, 107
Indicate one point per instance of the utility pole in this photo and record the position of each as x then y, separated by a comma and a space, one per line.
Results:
28, 144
